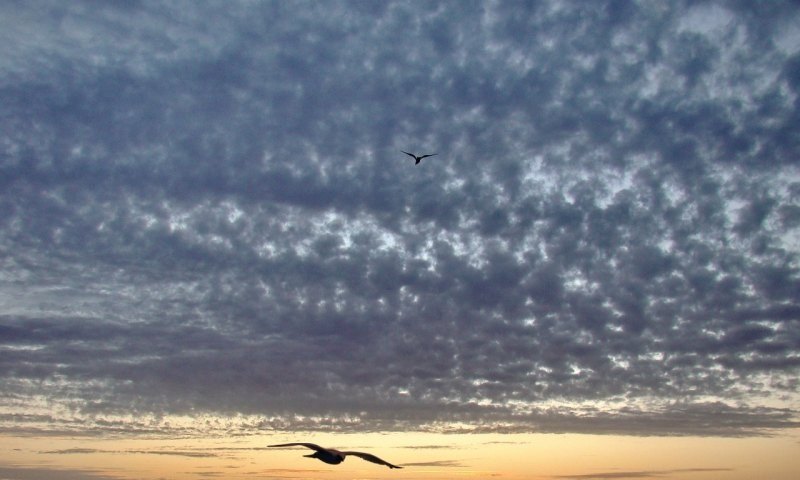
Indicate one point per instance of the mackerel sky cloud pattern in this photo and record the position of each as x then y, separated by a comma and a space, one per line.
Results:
205, 213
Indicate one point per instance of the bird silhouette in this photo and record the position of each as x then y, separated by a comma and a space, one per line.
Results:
418, 158
335, 457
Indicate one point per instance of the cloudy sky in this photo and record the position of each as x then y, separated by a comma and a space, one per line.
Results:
207, 223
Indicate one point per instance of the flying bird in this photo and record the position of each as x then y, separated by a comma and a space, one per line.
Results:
418, 158
335, 457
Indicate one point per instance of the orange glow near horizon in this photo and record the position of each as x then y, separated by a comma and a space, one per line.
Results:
424, 456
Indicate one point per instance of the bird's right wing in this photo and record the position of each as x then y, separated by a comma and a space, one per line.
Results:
371, 458
312, 446
409, 154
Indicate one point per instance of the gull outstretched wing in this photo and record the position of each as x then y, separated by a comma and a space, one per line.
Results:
312, 446
371, 458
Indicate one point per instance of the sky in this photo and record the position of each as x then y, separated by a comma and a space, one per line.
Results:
209, 229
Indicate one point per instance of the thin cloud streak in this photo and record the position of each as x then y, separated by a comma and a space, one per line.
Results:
35, 473
438, 463
179, 453
642, 474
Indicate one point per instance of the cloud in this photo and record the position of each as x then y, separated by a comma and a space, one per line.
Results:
643, 473
203, 453
206, 217
73, 451
436, 463
428, 447
25, 472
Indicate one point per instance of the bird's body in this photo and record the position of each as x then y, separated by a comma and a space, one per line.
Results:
333, 456
418, 158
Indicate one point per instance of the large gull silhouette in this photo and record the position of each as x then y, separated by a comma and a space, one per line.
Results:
335, 457
418, 158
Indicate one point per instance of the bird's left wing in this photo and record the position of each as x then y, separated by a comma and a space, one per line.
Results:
371, 458
312, 446
430, 155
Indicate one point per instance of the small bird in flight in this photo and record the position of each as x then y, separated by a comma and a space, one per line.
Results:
418, 158
335, 457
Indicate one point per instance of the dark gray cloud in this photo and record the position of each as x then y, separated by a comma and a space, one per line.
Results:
205, 214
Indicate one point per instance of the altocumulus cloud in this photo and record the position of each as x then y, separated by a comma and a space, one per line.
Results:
205, 216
